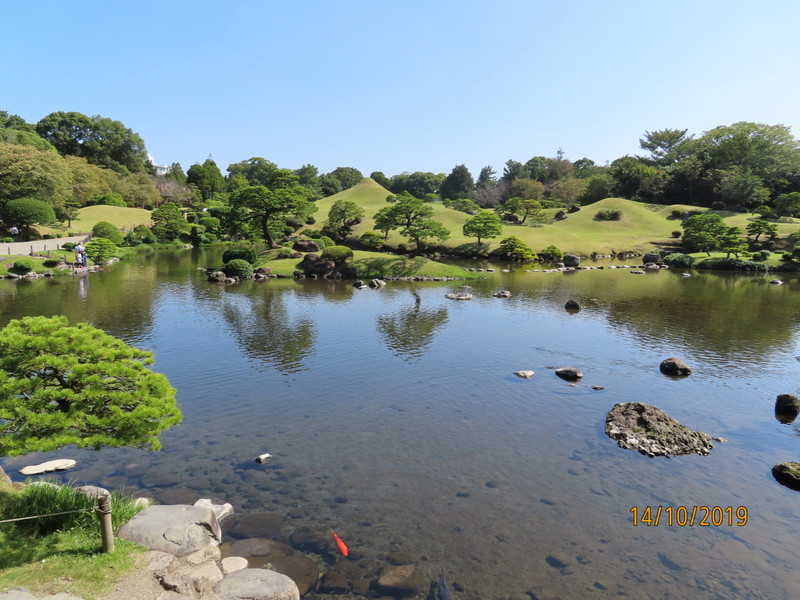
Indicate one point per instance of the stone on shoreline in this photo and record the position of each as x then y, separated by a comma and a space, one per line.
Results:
257, 584
179, 529
788, 474
63, 464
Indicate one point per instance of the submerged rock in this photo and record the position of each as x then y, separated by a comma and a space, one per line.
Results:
524, 374
569, 373
650, 431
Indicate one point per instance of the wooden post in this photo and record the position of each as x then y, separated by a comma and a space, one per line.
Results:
104, 510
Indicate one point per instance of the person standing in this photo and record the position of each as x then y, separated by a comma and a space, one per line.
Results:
14, 233
79, 254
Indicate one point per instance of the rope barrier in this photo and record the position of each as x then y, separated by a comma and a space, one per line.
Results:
67, 512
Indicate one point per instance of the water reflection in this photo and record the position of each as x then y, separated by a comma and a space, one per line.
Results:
409, 332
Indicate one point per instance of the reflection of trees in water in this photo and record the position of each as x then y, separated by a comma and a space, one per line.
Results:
265, 331
409, 332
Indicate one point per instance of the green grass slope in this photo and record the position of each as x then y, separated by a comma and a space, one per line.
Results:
121, 217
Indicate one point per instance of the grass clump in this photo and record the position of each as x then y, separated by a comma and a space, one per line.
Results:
63, 553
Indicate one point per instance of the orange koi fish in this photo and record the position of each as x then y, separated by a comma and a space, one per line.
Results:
340, 544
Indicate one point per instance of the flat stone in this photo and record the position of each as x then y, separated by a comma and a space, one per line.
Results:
178, 529
63, 464
233, 563
256, 584
524, 374
401, 580
258, 547
222, 510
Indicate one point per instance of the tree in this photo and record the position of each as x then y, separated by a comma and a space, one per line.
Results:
99, 140
666, 146
100, 250
207, 177
759, 227
513, 248
513, 170
412, 216
267, 205
347, 176
28, 172
703, 232
329, 185
308, 176
523, 208
381, 179
418, 183
732, 242
25, 212
486, 178
168, 222
788, 204
568, 191
256, 170
483, 225
104, 229
458, 184
342, 217
62, 385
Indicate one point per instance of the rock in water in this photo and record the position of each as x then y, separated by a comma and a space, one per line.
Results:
524, 374
648, 429
675, 367
63, 464
788, 474
787, 407
569, 373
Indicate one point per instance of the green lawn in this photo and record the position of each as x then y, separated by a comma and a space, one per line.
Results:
642, 227
119, 216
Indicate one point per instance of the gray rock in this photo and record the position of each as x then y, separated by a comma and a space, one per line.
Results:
222, 510
264, 525
787, 407
17, 594
569, 373
572, 305
63, 464
675, 367
571, 260
300, 569
524, 374
258, 547
305, 246
651, 257
233, 563
648, 429
257, 584
377, 283
217, 276
178, 529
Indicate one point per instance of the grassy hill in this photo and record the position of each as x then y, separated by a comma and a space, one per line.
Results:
121, 217
642, 227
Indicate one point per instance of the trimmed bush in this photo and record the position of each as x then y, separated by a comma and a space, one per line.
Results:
100, 250
551, 253
238, 267
325, 242
678, 260
338, 254
677, 233
731, 264
112, 199
247, 254
104, 229
513, 248
371, 240
8, 240
51, 262
23, 266
209, 222
608, 215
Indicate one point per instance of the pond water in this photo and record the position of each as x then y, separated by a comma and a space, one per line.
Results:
394, 417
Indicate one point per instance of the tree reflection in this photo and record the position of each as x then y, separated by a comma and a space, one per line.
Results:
409, 332
267, 332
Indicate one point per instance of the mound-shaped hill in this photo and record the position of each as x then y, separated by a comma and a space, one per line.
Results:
121, 217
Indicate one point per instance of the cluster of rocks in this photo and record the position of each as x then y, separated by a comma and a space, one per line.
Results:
259, 274
787, 407
375, 284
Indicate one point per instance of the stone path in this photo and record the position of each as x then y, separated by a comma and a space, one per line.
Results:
26, 248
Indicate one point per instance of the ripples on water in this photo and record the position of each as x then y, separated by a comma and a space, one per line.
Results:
403, 403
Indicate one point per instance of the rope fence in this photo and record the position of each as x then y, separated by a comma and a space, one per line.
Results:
103, 509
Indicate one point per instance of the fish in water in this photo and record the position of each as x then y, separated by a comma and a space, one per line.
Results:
340, 544
443, 591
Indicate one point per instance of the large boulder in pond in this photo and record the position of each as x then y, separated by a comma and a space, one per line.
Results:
649, 430
313, 265
787, 407
788, 474
305, 246
571, 260
675, 367
651, 257
179, 529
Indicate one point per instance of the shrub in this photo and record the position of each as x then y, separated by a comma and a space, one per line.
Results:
238, 267
513, 248
371, 240
23, 266
402, 248
325, 242
131, 239
104, 229
209, 222
294, 223
761, 255
311, 220
338, 254
718, 205
247, 254
100, 250
608, 215
279, 253
678, 260
677, 213
551, 253
112, 199
51, 262
677, 233
8, 240
731, 264
68, 245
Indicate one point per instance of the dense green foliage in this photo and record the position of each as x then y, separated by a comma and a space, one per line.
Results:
63, 385
412, 216
104, 229
484, 225
238, 267
342, 217
371, 240
551, 253
458, 184
338, 254
100, 250
25, 212
608, 215
247, 254
678, 260
512, 248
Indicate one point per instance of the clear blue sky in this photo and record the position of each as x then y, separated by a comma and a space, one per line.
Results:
405, 85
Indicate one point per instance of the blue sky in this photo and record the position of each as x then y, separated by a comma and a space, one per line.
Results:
402, 86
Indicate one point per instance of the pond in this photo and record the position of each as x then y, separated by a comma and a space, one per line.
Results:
395, 418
